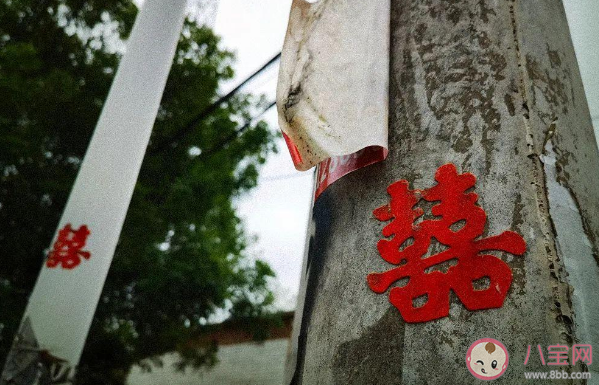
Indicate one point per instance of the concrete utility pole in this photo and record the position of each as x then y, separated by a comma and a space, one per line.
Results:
494, 88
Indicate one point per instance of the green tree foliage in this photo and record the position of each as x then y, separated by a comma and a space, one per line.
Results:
181, 255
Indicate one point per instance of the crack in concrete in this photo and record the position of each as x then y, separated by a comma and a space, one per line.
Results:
561, 290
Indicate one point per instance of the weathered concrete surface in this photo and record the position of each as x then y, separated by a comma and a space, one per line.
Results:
560, 123
484, 85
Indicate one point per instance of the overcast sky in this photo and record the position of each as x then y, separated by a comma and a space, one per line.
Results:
277, 210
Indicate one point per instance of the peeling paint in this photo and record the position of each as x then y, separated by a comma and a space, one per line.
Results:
575, 250
561, 292
460, 92
552, 93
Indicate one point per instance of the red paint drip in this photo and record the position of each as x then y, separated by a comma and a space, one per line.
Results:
67, 250
457, 222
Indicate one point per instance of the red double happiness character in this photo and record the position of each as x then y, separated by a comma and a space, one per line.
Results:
67, 250
457, 223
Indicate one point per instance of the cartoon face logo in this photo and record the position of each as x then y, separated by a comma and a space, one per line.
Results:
487, 359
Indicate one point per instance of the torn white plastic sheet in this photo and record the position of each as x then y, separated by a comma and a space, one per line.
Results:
333, 88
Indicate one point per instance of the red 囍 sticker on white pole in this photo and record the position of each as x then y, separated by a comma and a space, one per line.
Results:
332, 94
62, 304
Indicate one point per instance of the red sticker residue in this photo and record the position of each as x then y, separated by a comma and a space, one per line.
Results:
334, 168
457, 223
296, 157
68, 248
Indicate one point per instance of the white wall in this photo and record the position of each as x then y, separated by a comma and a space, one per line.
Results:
241, 364
584, 28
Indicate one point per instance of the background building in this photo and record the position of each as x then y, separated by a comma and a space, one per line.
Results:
242, 361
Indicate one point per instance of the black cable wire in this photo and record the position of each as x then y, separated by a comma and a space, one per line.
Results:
235, 134
211, 109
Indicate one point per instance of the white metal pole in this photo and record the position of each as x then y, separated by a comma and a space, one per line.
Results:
61, 307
